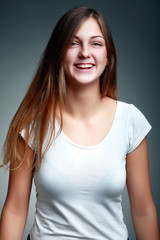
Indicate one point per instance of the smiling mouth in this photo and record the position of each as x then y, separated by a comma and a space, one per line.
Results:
84, 66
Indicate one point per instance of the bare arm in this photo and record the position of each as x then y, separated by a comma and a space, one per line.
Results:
15, 210
143, 209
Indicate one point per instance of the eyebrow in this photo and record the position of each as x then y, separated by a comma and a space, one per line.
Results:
91, 37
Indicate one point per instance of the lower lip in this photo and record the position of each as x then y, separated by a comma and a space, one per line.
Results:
84, 69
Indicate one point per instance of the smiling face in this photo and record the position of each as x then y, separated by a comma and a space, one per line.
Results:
85, 59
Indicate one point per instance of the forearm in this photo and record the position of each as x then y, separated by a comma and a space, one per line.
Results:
12, 225
146, 224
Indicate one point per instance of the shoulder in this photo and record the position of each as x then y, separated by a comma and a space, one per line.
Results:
134, 122
137, 126
113, 103
130, 109
124, 105
133, 112
115, 107
127, 111
134, 116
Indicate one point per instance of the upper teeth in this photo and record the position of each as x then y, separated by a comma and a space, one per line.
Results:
84, 65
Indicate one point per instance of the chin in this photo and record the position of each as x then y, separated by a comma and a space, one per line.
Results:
86, 81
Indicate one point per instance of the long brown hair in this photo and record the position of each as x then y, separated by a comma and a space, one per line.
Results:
48, 87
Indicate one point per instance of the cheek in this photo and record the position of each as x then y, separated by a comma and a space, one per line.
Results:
69, 56
66, 59
104, 54
67, 62
102, 57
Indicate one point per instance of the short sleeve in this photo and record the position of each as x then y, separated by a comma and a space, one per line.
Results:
137, 127
31, 143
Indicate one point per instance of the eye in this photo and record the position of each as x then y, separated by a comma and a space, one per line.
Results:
74, 43
97, 44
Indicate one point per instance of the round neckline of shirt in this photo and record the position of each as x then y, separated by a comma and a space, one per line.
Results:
106, 138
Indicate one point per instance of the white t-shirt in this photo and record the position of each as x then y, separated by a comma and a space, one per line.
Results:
79, 188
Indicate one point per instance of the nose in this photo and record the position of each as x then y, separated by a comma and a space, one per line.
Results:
84, 52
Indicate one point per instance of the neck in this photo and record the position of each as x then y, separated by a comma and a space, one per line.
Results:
83, 101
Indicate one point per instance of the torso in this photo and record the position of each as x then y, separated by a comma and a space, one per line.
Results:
79, 187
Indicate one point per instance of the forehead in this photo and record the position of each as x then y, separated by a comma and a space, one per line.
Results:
89, 27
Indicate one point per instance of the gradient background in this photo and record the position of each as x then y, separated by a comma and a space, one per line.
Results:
25, 28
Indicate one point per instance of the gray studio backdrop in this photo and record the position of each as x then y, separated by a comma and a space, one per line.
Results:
25, 28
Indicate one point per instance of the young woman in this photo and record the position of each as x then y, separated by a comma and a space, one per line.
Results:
79, 143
